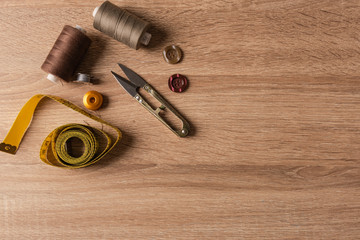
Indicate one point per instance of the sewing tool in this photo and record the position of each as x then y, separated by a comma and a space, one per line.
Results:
66, 54
172, 54
135, 82
121, 25
93, 100
54, 148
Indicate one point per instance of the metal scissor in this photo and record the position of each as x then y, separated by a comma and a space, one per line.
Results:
135, 82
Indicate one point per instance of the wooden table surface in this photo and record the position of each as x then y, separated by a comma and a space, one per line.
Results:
273, 102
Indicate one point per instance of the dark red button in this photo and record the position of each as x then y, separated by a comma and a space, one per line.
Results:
178, 83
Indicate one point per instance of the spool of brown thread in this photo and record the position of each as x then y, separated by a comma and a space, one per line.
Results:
121, 25
66, 54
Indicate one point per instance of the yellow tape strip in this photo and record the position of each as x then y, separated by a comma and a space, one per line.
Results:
53, 150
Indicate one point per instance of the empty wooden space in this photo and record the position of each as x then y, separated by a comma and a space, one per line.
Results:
274, 105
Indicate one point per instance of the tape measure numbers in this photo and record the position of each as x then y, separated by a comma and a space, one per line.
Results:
53, 150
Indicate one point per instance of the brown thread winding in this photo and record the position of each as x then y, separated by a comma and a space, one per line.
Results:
121, 25
67, 52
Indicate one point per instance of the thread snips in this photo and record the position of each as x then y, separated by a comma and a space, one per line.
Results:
135, 82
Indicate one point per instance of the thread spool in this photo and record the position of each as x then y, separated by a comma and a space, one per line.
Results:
66, 54
93, 100
121, 25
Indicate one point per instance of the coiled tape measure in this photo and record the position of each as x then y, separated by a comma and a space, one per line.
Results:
53, 150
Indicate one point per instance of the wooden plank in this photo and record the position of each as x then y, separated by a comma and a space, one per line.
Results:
273, 103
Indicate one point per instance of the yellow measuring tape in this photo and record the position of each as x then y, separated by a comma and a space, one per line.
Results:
53, 150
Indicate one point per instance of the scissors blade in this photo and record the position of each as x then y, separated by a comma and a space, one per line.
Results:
128, 86
133, 77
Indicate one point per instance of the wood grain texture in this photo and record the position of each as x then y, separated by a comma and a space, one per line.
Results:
274, 102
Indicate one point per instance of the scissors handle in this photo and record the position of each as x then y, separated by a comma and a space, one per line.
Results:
164, 104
